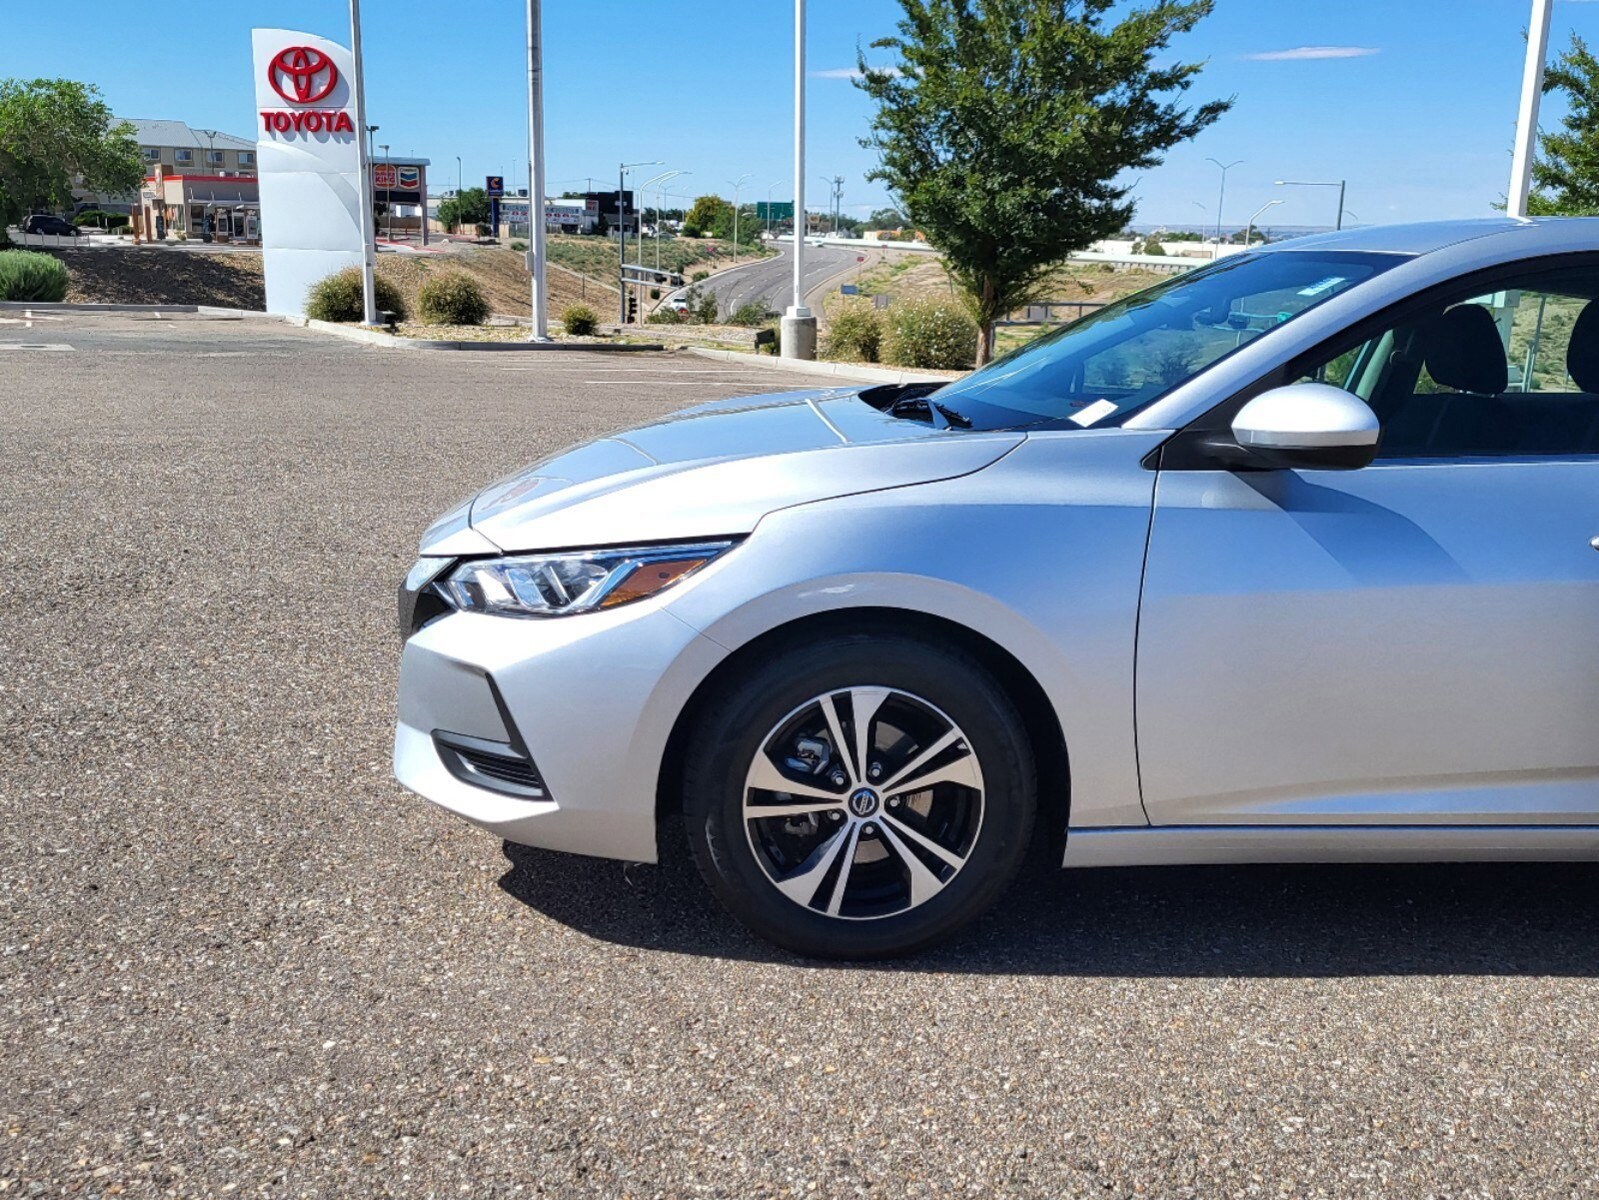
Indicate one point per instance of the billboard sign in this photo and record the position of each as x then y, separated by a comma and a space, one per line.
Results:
494, 185
307, 163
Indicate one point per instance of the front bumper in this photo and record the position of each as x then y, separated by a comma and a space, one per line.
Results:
592, 699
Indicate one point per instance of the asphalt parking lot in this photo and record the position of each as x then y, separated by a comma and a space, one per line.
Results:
236, 958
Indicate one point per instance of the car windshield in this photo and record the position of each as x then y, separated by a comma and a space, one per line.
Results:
1102, 369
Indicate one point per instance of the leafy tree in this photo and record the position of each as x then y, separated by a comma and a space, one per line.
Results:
707, 211
885, 218
470, 207
1567, 173
54, 133
1005, 125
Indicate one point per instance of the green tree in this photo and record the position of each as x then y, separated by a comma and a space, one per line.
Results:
1566, 175
1005, 125
55, 133
707, 214
885, 218
470, 207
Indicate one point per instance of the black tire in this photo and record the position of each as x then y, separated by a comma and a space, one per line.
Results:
734, 726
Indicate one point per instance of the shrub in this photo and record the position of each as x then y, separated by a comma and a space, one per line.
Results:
519, 246
338, 298
451, 298
703, 307
96, 218
753, 312
26, 275
929, 334
664, 316
854, 331
579, 320
699, 276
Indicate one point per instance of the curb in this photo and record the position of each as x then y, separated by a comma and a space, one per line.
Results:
204, 310
388, 341
806, 367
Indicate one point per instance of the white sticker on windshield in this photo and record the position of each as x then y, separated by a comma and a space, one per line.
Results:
1321, 285
1097, 411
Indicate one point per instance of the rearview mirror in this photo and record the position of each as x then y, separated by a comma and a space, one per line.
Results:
1308, 425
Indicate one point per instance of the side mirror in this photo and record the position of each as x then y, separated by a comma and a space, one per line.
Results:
1311, 425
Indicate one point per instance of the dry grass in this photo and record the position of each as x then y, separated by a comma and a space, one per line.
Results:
137, 275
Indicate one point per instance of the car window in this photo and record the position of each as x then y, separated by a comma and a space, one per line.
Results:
1100, 370
1512, 373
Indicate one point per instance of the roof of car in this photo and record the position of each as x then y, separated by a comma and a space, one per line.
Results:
1428, 236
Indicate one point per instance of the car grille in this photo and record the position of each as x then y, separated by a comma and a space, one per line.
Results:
494, 766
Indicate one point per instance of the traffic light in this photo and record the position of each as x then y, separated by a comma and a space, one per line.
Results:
632, 308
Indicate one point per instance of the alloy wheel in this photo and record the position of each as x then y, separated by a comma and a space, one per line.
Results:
863, 802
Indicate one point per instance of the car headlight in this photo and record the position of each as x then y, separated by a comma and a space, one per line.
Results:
557, 585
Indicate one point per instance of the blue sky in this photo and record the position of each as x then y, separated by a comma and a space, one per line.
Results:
1412, 100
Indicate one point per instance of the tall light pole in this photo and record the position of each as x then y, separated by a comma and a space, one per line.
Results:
363, 153
798, 331
1222, 198
660, 194
535, 169
775, 183
458, 179
644, 199
736, 184
1337, 183
1526, 150
388, 214
621, 222
1250, 228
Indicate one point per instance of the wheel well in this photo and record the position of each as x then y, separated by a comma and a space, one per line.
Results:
1038, 714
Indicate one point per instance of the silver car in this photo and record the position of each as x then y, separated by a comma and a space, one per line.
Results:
1287, 559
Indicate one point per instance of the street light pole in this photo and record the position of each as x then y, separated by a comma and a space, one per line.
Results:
1526, 150
1222, 198
1249, 229
621, 222
369, 300
775, 183
1340, 184
535, 169
737, 183
799, 326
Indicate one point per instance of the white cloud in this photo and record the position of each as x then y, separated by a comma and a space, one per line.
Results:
849, 72
1303, 53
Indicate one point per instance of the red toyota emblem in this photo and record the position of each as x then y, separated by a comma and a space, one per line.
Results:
302, 74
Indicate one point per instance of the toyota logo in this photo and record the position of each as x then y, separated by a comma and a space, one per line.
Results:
302, 74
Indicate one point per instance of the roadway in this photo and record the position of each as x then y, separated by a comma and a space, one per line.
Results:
771, 280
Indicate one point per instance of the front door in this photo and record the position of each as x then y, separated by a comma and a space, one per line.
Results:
1415, 642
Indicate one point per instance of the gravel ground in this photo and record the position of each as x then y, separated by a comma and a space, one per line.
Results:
238, 959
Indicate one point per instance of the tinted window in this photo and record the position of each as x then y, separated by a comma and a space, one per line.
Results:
1102, 369
1508, 374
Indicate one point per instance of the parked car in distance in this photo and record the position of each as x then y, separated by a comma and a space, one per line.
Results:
677, 304
48, 223
1276, 561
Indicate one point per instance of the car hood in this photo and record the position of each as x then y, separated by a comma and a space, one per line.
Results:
711, 470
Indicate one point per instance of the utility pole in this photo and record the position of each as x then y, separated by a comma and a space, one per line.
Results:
369, 300
621, 221
535, 169
1526, 151
1221, 199
798, 331
737, 183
